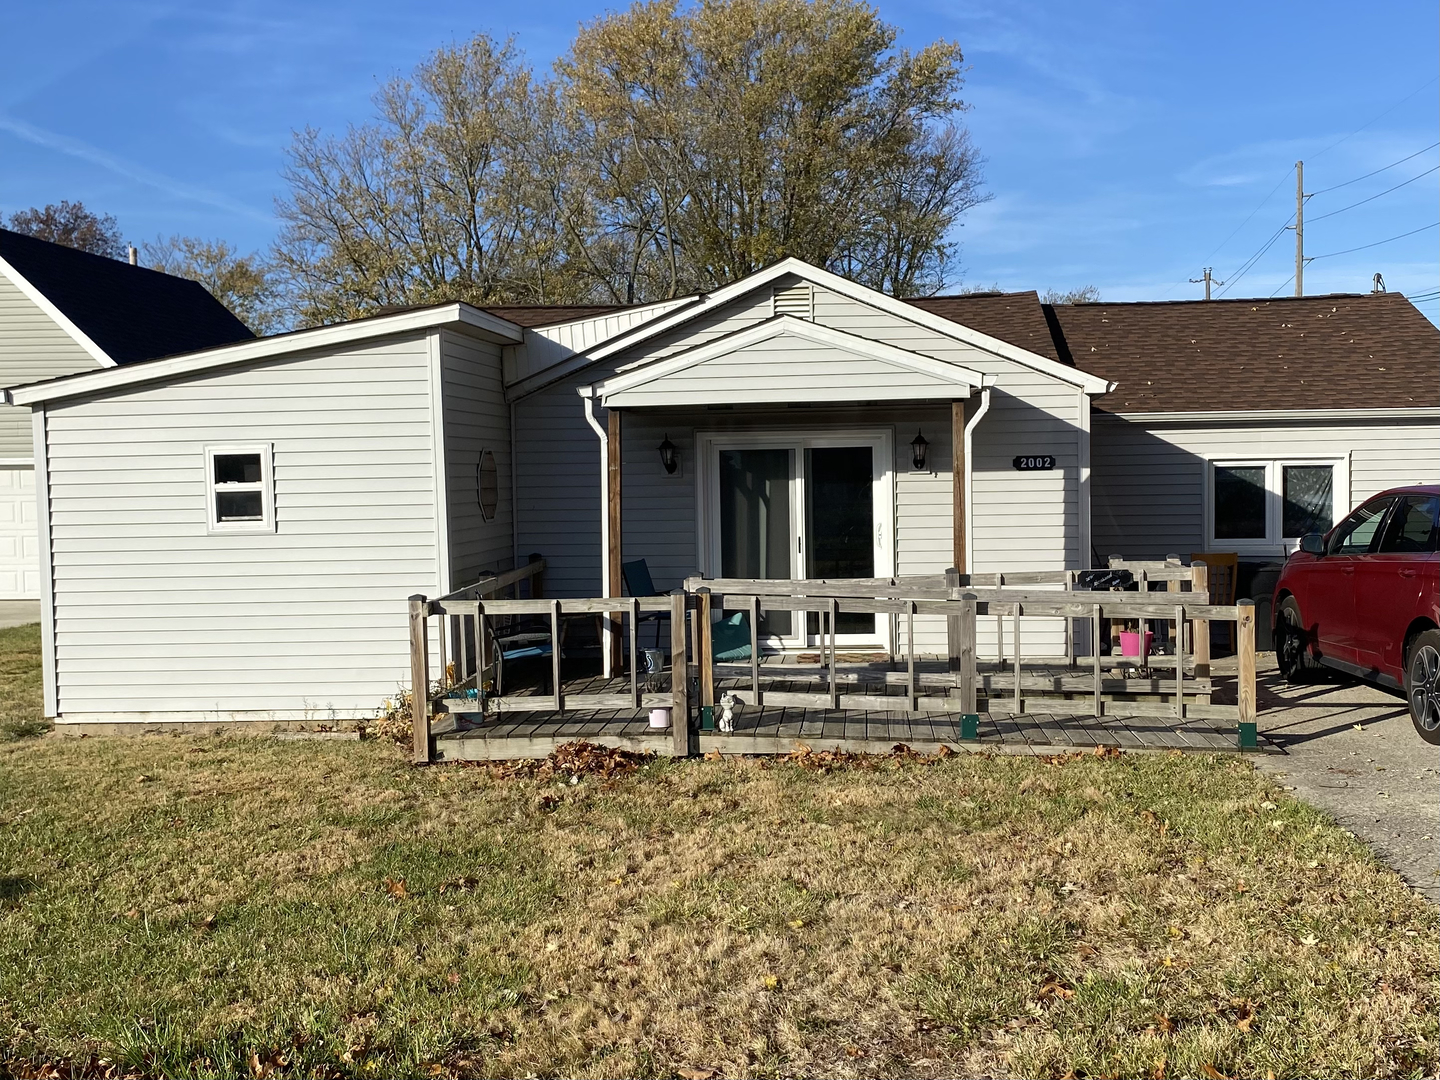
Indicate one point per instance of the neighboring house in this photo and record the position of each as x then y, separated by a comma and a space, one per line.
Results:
64, 311
247, 555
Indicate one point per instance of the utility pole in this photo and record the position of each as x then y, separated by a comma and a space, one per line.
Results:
1208, 280
1299, 228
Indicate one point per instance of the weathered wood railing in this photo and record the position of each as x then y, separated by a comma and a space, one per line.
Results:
963, 682
463, 616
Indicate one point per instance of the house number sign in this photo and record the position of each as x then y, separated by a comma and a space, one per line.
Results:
1034, 461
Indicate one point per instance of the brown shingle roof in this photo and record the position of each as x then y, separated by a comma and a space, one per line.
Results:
1351, 351
1014, 317
530, 315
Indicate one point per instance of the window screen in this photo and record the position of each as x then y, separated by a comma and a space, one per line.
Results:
1240, 502
1308, 499
241, 496
1412, 526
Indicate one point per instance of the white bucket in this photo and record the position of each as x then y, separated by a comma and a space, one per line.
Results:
660, 718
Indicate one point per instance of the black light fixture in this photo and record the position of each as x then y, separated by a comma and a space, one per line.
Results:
669, 456
918, 446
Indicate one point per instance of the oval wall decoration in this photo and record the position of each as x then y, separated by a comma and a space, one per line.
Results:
487, 484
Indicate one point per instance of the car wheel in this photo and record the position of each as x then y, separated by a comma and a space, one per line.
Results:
1292, 646
1422, 684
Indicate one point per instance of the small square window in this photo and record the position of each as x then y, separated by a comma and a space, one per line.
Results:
241, 496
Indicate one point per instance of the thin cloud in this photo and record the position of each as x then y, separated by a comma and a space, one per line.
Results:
71, 147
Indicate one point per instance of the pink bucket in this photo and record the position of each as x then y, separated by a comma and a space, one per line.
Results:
1130, 643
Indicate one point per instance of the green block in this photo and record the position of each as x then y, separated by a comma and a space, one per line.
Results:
1249, 738
970, 726
707, 717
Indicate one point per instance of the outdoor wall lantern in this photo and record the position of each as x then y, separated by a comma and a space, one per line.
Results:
918, 445
669, 456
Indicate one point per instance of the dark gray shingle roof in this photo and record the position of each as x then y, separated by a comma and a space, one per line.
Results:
129, 311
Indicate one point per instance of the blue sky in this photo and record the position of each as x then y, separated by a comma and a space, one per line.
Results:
1128, 144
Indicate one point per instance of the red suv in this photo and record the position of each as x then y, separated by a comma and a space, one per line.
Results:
1364, 598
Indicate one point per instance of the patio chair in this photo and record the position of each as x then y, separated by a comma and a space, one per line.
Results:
1223, 567
639, 583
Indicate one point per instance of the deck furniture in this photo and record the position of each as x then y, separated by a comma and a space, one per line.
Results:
639, 583
1224, 567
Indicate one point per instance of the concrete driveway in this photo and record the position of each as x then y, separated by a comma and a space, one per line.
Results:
19, 612
1350, 749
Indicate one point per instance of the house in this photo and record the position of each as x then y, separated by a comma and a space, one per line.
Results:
247, 555
64, 311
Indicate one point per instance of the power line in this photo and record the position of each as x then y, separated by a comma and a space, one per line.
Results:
1237, 228
1377, 172
1249, 263
1377, 243
1372, 198
1372, 120
1283, 284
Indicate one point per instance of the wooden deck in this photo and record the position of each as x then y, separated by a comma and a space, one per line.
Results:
780, 730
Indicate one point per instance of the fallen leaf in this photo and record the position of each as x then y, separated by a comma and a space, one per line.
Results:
1309, 939
1212, 1073
797, 924
396, 888
770, 982
453, 978
1158, 1072
1164, 1023
696, 1074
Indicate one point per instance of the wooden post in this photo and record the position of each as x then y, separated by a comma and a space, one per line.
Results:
1200, 583
832, 611
679, 678
953, 630
705, 650
1179, 660
1095, 660
420, 679
1069, 622
755, 649
616, 519
635, 651
957, 473
966, 649
537, 579
1247, 734
1019, 700
910, 702
555, 654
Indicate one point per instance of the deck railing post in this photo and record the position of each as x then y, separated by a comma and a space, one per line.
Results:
953, 630
679, 678
705, 653
1200, 644
1247, 733
420, 678
965, 646
537, 579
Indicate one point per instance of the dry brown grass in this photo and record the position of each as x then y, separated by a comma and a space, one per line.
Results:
179, 904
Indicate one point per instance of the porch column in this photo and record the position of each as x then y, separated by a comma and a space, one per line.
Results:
957, 468
612, 649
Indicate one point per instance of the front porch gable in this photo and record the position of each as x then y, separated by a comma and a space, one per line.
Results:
785, 359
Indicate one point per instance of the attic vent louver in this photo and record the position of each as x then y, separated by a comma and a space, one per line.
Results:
796, 300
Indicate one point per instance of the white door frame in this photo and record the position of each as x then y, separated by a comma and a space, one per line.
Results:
708, 445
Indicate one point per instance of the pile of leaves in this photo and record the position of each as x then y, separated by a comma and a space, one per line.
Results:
568, 763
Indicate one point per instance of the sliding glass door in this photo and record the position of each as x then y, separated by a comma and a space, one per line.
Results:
788, 507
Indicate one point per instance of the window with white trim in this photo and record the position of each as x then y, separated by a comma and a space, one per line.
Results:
241, 495
1266, 506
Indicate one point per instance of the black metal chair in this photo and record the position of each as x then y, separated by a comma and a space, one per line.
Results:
639, 583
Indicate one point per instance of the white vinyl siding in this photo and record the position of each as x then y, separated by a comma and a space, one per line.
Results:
476, 419
155, 616
1149, 490
33, 346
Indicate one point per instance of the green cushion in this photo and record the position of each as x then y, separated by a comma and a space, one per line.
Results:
730, 639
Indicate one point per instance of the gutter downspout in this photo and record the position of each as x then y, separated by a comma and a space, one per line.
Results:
970, 426
588, 399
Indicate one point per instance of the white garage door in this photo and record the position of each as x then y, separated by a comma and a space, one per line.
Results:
19, 538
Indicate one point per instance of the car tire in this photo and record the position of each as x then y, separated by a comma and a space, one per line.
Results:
1422, 684
1292, 644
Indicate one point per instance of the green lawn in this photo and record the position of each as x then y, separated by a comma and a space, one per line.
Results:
200, 906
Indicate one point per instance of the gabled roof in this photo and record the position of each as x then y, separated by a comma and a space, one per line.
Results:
531, 315
888, 372
474, 321
860, 293
1342, 351
120, 314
